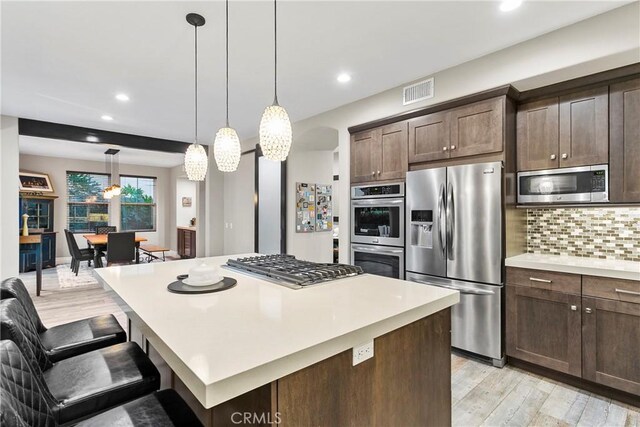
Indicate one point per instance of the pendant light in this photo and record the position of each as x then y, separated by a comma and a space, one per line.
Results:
226, 147
275, 126
195, 159
114, 189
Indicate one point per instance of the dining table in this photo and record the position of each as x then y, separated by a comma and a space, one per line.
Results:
100, 242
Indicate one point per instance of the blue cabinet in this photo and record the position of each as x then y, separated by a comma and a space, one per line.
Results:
40, 211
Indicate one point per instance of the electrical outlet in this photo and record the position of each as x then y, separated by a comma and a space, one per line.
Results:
362, 352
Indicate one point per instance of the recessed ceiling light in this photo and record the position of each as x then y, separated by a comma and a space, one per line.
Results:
92, 138
106, 118
122, 97
344, 78
509, 5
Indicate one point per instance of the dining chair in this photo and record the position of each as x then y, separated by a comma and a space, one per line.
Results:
77, 255
121, 248
106, 229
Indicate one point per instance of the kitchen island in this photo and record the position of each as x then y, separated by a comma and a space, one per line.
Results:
264, 351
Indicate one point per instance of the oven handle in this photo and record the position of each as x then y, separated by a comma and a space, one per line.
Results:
377, 250
377, 202
461, 289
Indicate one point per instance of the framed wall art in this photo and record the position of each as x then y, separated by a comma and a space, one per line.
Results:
324, 207
305, 207
31, 181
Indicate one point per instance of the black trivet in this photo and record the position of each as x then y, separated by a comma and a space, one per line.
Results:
179, 287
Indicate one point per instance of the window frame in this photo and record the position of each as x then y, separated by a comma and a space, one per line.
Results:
154, 204
69, 203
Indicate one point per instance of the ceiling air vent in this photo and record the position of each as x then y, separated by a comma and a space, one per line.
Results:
417, 92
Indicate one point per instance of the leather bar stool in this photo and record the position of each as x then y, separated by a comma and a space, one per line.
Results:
84, 384
24, 401
71, 339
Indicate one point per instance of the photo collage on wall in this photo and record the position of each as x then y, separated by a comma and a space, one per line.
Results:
305, 207
313, 207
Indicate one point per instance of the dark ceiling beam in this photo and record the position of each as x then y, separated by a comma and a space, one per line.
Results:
50, 130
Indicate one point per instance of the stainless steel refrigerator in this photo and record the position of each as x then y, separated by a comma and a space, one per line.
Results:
454, 239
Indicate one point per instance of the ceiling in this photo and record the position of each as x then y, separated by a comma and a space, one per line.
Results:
95, 152
64, 61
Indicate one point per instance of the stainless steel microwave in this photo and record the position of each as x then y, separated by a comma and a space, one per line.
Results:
585, 184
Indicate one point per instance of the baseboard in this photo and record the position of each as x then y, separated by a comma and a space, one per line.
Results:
581, 383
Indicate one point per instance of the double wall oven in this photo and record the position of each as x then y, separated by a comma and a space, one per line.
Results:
377, 234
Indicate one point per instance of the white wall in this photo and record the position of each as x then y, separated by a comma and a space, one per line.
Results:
239, 189
57, 169
186, 188
9, 184
315, 167
600, 43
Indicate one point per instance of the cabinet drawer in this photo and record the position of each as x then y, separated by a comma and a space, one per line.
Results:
615, 289
549, 280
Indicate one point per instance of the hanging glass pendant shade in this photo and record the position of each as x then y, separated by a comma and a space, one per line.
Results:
275, 127
195, 159
226, 147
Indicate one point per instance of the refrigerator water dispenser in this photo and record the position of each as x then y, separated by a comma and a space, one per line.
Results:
422, 228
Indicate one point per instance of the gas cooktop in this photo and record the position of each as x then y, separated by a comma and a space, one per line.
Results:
289, 271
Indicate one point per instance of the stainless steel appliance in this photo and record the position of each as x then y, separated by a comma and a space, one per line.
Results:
585, 184
288, 271
377, 236
377, 213
455, 240
380, 260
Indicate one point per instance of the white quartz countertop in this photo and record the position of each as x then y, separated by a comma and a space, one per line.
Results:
629, 270
224, 344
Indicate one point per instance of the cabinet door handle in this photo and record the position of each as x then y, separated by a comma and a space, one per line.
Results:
564, 156
587, 310
553, 157
535, 279
574, 308
444, 148
624, 291
453, 147
378, 173
373, 173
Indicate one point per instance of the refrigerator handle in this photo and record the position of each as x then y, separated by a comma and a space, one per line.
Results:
442, 221
450, 221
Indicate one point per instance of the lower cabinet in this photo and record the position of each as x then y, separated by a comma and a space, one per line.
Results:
28, 261
543, 327
186, 243
591, 332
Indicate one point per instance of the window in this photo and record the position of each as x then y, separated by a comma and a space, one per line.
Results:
86, 208
138, 203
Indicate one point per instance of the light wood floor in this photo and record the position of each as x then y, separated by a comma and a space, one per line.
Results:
482, 395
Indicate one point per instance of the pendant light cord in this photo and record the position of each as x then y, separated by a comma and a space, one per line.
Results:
227, 58
196, 83
275, 52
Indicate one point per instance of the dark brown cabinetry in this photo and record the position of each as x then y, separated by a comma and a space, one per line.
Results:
543, 319
567, 131
477, 128
186, 242
537, 141
624, 168
611, 333
584, 128
379, 154
471, 130
585, 326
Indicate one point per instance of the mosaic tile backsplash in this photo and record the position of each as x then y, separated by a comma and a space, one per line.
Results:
611, 233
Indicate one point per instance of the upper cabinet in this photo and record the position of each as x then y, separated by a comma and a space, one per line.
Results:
477, 128
624, 170
379, 154
584, 128
538, 135
566, 131
474, 129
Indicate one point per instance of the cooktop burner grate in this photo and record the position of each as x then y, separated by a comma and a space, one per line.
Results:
286, 268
